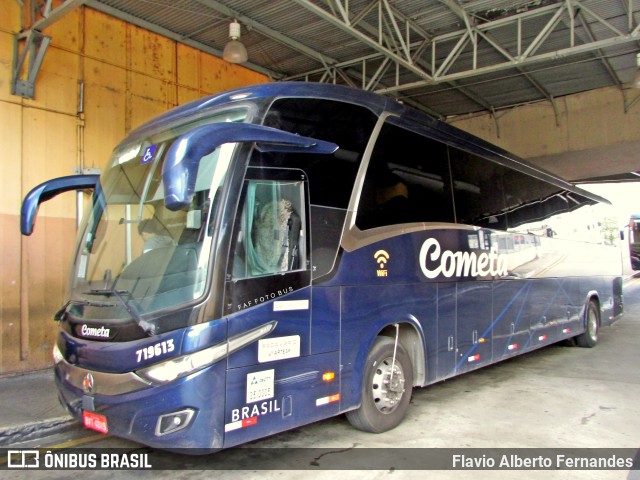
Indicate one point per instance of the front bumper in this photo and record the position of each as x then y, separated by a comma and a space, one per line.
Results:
145, 413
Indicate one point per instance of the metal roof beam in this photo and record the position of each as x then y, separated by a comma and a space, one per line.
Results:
343, 22
54, 15
486, 36
605, 63
32, 45
555, 55
453, 44
417, 51
456, 8
394, 15
472, 35
32, 49
529, 56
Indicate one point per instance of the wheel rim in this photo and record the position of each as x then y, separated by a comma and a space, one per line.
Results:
387, 390
592, 326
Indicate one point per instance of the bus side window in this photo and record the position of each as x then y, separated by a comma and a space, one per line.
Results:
269, 229
407, 181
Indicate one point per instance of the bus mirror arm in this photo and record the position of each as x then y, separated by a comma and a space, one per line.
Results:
180, 167
46, 191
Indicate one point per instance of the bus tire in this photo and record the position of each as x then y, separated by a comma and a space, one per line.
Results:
383, 406
589, 338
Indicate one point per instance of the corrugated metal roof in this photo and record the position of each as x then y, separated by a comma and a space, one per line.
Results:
511, 52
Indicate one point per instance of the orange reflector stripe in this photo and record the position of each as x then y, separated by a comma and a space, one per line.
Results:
327, 400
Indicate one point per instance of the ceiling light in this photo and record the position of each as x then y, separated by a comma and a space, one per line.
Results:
234, 50
636, 78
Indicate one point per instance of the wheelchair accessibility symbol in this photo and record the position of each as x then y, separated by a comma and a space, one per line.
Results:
149, 153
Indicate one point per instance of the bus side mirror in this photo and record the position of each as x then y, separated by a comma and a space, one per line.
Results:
181, 162
46, 191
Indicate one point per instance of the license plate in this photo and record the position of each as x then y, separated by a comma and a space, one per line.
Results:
95, 421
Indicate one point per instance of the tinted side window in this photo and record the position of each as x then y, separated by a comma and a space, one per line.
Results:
407, 181
532, 200
331, 177
489, 195
478, 190
560, 214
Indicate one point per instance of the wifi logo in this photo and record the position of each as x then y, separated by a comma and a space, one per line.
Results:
381, 257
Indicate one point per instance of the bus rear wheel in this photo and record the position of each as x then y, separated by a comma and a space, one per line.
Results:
386, 388
589, 338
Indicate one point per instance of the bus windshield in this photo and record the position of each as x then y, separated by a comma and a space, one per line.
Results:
135, 254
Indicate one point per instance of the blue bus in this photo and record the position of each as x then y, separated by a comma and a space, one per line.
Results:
279, 254
634, 241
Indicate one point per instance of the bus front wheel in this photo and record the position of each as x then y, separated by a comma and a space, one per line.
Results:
386, 388
589, 338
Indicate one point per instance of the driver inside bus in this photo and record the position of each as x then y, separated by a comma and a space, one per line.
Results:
154, 235
392, 201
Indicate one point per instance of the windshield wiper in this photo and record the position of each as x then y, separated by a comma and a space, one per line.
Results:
107, 292
148, 328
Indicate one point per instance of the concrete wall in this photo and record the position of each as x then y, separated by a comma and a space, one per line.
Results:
129, 75
588, 134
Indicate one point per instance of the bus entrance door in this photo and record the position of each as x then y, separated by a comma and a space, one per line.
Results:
276, 383
269, 378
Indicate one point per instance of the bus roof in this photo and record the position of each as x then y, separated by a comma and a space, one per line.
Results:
374, 102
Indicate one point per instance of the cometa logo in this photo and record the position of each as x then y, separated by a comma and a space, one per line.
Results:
435, 262
87, 331
381, 257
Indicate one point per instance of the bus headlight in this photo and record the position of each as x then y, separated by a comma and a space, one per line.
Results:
171, 370
57, 355
179, 367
